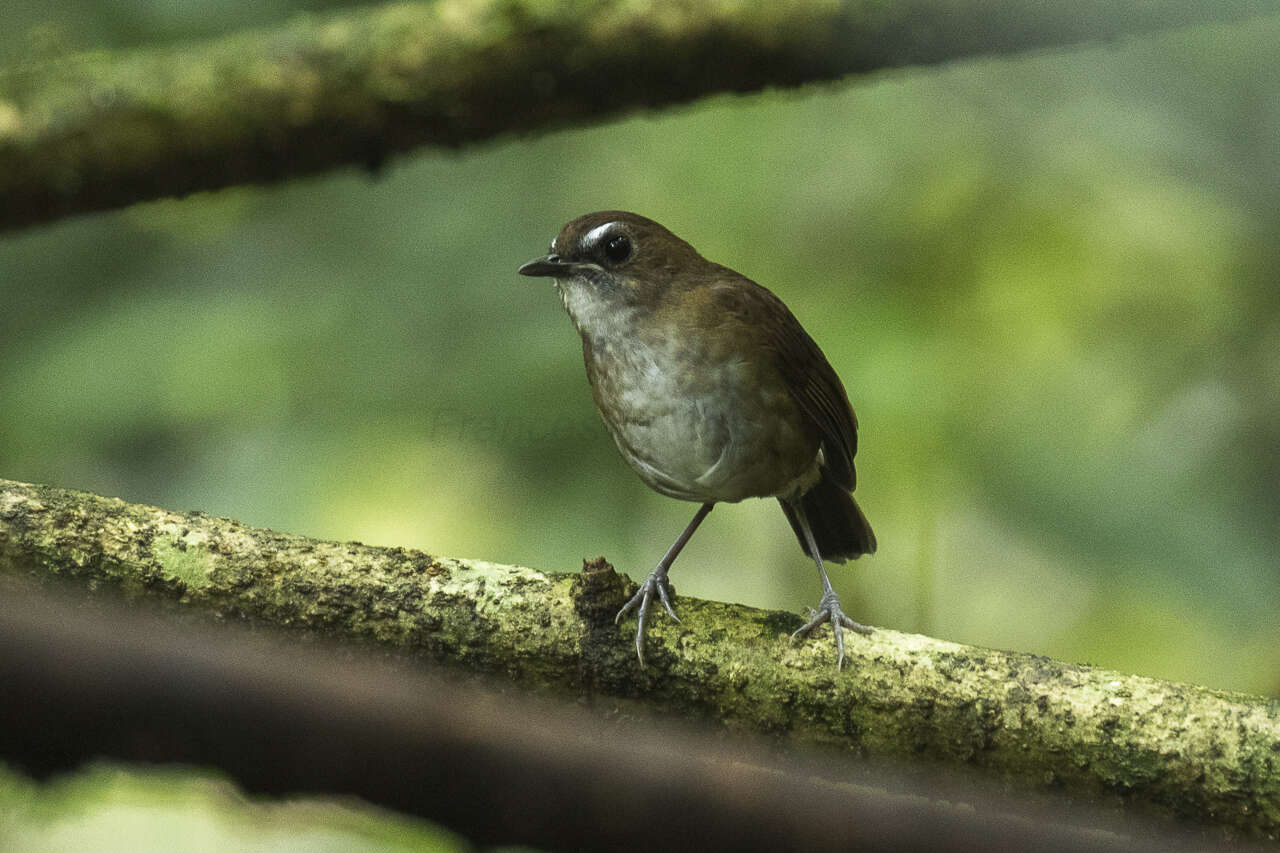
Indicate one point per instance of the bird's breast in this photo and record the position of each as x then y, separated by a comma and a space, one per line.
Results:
694, 421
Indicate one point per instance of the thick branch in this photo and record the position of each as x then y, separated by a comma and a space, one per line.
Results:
1202, 754
102, 130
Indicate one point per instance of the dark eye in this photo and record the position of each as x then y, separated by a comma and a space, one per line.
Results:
618, 248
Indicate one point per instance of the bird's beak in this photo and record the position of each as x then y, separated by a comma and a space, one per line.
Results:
552, 265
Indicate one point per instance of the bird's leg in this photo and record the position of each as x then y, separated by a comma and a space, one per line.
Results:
656, 583
829, 605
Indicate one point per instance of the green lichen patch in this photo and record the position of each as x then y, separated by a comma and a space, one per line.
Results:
190, 563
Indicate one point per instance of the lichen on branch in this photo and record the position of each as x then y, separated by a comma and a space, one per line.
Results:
1203, 754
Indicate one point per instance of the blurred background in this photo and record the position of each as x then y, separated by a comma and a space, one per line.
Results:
1049, 283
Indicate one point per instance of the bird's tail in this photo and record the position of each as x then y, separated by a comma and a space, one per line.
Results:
838, 525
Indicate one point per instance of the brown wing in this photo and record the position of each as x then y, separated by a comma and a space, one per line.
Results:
812, 381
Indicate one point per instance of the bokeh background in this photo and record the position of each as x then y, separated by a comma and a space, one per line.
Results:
1049, 283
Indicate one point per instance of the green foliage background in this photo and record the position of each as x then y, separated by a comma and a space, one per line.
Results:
109, 808
1049, 283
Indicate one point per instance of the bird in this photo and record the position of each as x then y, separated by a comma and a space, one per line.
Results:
713, 393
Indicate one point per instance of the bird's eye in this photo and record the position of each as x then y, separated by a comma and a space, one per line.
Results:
618, 248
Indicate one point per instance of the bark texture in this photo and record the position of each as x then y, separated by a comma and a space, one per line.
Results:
1205, 755
101, 130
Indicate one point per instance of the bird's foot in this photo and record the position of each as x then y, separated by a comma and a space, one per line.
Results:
829, 611
656, 585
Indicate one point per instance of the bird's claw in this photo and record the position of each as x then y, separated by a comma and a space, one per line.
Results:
829, 610
655, 584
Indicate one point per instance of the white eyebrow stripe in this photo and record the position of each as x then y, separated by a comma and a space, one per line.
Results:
594, 235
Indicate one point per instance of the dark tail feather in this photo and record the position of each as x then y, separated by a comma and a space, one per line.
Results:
838, 525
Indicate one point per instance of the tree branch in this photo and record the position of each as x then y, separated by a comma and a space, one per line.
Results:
1199, 753
101, 130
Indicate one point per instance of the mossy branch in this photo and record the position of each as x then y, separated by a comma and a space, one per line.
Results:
1202, 754
100, 130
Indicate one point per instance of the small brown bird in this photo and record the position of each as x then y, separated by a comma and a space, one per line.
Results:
712, 391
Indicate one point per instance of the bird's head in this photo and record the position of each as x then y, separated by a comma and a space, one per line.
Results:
616, 259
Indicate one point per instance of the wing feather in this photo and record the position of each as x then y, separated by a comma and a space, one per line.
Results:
808, 375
